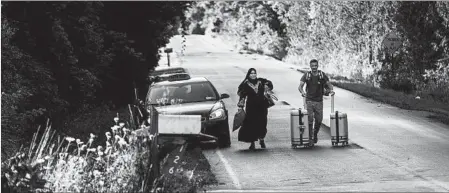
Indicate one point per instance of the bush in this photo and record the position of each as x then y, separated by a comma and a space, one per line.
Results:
436, 83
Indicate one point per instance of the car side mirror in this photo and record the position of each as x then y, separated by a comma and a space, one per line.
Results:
224, 96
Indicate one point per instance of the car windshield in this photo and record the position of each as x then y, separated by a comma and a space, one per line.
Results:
181, 93
167, 71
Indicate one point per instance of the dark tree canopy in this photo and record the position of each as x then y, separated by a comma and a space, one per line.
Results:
63, 57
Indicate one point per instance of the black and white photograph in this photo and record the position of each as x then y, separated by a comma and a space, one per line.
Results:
224, 96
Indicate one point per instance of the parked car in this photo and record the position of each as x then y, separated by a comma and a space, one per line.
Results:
162, 71
187, 95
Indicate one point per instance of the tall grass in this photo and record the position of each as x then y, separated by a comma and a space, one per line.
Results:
66, 164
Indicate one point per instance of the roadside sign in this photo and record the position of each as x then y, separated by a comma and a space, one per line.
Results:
391, 43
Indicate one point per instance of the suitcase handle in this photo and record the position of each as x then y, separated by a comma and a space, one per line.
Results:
332, 104
301, 129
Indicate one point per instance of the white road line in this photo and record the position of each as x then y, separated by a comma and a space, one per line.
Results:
231, 172
255, 191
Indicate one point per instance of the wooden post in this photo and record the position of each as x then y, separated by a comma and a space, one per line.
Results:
154, 149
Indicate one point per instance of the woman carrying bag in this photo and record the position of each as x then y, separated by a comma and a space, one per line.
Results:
256, 94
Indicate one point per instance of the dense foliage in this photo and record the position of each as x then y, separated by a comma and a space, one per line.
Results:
345, 36
64, 57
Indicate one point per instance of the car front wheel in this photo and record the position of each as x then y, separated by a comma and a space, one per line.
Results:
224, 139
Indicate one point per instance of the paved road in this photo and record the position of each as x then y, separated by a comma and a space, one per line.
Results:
390, 149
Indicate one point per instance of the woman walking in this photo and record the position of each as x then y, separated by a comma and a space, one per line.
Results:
252, 89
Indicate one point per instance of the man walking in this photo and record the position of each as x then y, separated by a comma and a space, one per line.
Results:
317, 82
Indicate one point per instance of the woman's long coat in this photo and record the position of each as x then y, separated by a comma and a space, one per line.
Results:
255, 124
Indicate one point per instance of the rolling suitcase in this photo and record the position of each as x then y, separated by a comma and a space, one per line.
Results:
339, 126
301, 134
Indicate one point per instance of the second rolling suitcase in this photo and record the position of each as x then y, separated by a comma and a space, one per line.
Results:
339, 126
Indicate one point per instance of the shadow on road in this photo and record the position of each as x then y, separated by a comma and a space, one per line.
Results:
247, 151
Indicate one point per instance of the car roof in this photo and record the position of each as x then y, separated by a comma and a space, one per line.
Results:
191, 80
167, 67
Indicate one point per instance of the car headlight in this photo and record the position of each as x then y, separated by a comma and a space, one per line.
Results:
217, 111
217, 114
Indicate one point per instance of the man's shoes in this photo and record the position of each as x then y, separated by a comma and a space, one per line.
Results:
252, 146
262, 143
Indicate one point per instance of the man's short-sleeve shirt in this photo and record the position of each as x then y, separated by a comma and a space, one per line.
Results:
315, 86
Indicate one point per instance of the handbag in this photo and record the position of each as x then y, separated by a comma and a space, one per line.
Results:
239, 117
269, 98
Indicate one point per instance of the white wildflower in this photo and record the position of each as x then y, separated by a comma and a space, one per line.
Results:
116, 119
100, 153
125, 130
91, 150
70, 139
122, 142
97, 173
108, 144
99, 148
92, 135
79, 142
40, 161
117, 137
121, 124
28, 176
108, 134
91, 140
115, 128
21, 156
151, 136
47, 157
83, 147
107, 150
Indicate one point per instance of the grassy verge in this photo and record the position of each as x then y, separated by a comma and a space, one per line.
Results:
394, 98
399, 99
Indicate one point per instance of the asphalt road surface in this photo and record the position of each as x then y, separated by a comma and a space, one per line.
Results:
390, 149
